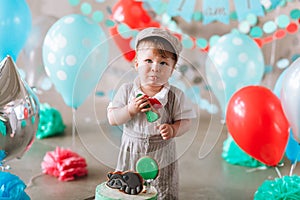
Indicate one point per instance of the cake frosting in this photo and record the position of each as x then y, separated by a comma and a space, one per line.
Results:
103, 192
131, 185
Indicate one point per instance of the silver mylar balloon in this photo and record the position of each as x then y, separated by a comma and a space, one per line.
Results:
19, 113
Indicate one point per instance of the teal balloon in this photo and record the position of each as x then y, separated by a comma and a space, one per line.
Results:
292, 151
233, 62
15, 26
75, 54
147, 168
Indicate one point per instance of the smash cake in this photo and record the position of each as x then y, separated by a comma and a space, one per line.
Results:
124, 185
129, 184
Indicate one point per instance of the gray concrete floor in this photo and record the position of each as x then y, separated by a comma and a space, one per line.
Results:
203, 173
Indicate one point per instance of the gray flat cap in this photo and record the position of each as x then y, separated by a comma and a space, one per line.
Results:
158, 32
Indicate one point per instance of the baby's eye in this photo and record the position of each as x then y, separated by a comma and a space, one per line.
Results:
148, 61
163, 63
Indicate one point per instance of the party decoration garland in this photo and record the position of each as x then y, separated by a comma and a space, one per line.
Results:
287, 187
64, 164
271, 30
51, 122
279, 28
275, 29
12, 187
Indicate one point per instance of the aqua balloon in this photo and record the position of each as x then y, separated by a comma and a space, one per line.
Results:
75, 54
15, 26
147, 168
233, 62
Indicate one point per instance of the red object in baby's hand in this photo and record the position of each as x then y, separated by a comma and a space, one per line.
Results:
154, 102
64, 164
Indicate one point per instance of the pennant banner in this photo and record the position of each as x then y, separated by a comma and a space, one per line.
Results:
245, 7
157, 5
275, 3
182, 8
216, 10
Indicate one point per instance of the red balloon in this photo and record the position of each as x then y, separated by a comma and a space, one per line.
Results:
123, 44
131, 13
257, 123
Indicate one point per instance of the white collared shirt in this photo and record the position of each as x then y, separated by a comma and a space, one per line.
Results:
182, 108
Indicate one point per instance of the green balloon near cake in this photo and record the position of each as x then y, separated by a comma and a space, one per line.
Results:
147, 168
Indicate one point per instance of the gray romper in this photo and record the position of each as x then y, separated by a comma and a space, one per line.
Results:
141, 139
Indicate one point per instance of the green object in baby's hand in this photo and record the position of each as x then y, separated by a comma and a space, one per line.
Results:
150, 115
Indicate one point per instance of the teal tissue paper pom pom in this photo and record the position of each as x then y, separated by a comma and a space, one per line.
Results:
51, 122
287, 187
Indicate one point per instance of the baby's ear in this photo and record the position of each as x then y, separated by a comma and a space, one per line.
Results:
136, 64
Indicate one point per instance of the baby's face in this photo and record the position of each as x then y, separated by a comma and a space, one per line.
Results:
153, 68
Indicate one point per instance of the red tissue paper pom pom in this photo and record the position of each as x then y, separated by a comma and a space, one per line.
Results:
64, 164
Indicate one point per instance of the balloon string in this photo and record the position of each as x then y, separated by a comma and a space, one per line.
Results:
30, 183
148, 186
272, 57
73, 128
293, 166
273, 49
256, 169
278, 172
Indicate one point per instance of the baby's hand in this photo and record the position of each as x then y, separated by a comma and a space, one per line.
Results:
138, 104
166, 131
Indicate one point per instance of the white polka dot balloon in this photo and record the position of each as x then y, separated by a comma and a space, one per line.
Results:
235, 61
75, 53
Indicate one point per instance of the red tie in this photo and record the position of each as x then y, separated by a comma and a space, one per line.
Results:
154, 102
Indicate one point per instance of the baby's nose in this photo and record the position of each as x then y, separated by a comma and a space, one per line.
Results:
155, 67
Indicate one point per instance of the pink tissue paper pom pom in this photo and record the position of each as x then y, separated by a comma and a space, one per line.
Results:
64, 164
